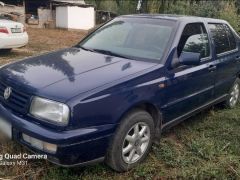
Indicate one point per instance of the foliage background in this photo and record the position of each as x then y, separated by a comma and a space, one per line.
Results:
224, 9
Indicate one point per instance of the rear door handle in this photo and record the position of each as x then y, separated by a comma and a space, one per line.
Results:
212, 68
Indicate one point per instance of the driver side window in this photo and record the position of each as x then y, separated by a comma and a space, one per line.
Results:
194, 39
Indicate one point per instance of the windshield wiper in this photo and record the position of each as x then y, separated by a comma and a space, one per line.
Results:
84, 48
110, 53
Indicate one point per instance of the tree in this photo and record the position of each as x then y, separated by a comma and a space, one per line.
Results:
225, 9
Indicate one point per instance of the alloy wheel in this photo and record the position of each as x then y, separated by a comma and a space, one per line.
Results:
136, 142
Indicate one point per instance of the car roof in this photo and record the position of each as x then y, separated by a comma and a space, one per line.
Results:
175, 17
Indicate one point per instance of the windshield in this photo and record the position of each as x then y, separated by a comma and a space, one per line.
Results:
133, 38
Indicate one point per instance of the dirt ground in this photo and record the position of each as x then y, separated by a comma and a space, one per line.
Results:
41, 41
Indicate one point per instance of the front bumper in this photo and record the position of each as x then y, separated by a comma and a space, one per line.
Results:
75, 147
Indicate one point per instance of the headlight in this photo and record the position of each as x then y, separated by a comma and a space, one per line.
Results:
50, 110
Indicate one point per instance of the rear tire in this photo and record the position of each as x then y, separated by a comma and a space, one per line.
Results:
233, 98
132, 141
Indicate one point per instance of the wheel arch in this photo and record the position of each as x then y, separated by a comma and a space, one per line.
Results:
152, 110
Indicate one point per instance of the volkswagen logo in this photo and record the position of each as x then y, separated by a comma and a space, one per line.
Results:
7, 93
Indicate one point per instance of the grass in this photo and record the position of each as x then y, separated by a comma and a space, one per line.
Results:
206, 146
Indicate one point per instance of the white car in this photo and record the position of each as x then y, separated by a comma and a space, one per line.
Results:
12, 35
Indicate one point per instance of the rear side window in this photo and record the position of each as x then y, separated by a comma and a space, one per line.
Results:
231, 38
223, 38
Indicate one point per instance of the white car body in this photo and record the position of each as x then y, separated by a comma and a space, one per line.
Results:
12, 34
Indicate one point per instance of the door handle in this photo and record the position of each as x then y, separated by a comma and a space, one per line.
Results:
212, 68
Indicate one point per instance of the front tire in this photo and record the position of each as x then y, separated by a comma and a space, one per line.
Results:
233, 98
132, 141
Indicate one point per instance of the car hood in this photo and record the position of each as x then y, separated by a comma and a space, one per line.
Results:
66, 73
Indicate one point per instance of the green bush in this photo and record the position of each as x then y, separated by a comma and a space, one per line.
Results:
224, 9
229, 13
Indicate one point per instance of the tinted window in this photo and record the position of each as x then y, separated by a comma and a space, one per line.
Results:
222, 37
194, 39
132, 37
231, 38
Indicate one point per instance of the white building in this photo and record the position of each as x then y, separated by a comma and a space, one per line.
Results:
74, 15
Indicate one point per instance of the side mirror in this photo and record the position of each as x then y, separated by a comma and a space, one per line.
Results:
189, 58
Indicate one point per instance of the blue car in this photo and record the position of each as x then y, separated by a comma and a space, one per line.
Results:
111, 96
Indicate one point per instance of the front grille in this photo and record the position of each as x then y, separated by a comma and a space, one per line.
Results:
18, 101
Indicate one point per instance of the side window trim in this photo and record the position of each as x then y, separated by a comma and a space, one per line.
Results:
227, 52
209, 42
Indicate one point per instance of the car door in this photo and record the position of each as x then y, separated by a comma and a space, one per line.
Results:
226, 56
190, 87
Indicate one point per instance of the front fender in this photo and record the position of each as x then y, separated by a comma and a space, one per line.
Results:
109, 106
